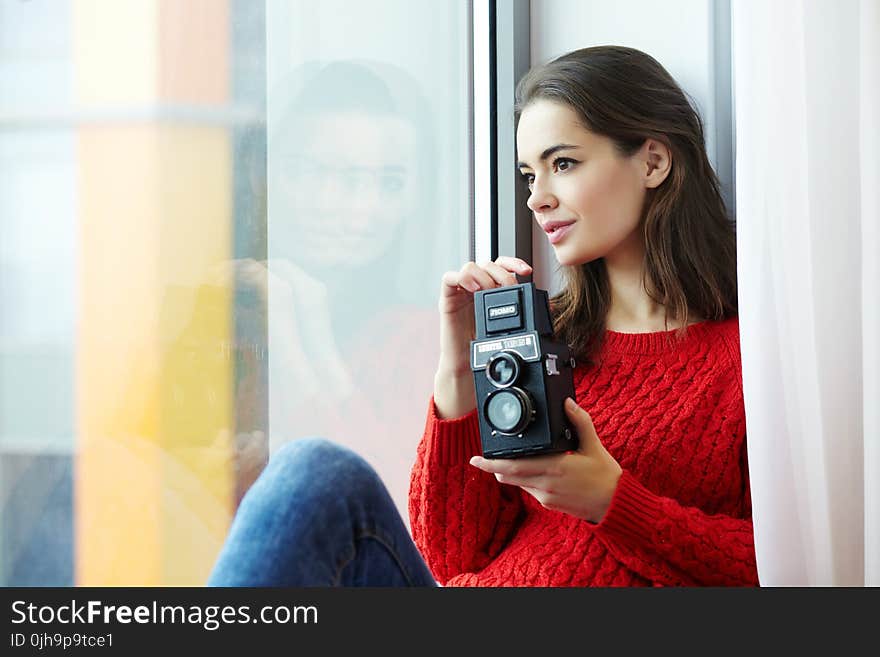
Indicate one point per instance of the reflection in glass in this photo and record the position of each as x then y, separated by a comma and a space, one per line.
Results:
348, 287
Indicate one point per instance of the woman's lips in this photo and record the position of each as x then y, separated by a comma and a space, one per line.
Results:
558, 234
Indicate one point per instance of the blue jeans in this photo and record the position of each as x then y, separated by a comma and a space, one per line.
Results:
318, 515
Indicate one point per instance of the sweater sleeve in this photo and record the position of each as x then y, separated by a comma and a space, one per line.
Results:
676, 545
461, 517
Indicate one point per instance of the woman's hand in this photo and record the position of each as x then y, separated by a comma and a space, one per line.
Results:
457, 304
579, 483
453, 383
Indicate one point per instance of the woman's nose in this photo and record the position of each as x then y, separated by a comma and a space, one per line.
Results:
540, 199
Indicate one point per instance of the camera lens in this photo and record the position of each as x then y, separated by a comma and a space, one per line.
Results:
503, 369
509, 411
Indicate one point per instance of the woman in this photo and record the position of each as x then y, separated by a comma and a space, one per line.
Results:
657, 493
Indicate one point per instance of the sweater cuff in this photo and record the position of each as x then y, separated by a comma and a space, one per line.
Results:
453, 441
633, 514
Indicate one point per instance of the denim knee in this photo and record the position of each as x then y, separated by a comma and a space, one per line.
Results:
318, 470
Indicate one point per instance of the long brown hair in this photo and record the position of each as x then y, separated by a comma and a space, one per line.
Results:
690, 243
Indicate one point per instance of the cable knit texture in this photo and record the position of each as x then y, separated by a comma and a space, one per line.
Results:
671, 412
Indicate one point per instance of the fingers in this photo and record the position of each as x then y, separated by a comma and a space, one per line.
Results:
583, 424
474, 277
518, 470
485, 276
572, 408
499, 274
514, 264
534, 473
576, 413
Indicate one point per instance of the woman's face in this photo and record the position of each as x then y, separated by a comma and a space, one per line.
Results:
585, 195
343, 187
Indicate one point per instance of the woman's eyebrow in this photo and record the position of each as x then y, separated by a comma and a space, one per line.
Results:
548, 152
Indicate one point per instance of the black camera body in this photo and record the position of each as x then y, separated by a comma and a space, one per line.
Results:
521, 375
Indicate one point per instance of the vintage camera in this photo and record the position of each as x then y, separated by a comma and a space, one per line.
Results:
521, 375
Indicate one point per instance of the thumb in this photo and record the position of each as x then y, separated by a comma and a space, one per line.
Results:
583, 424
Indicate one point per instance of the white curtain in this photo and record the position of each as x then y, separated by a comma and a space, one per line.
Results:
807, 107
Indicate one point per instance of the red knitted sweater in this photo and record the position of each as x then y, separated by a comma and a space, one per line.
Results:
672, 415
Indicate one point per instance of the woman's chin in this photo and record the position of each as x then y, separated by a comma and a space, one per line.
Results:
568, 258
565, 257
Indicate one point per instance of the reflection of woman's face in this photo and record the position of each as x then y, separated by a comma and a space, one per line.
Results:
341, 188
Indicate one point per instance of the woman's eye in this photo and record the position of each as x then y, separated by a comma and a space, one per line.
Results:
564, 164
561, 164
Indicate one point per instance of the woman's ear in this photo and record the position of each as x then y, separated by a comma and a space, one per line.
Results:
657, 160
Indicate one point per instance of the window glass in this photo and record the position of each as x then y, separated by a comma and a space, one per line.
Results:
222, 227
